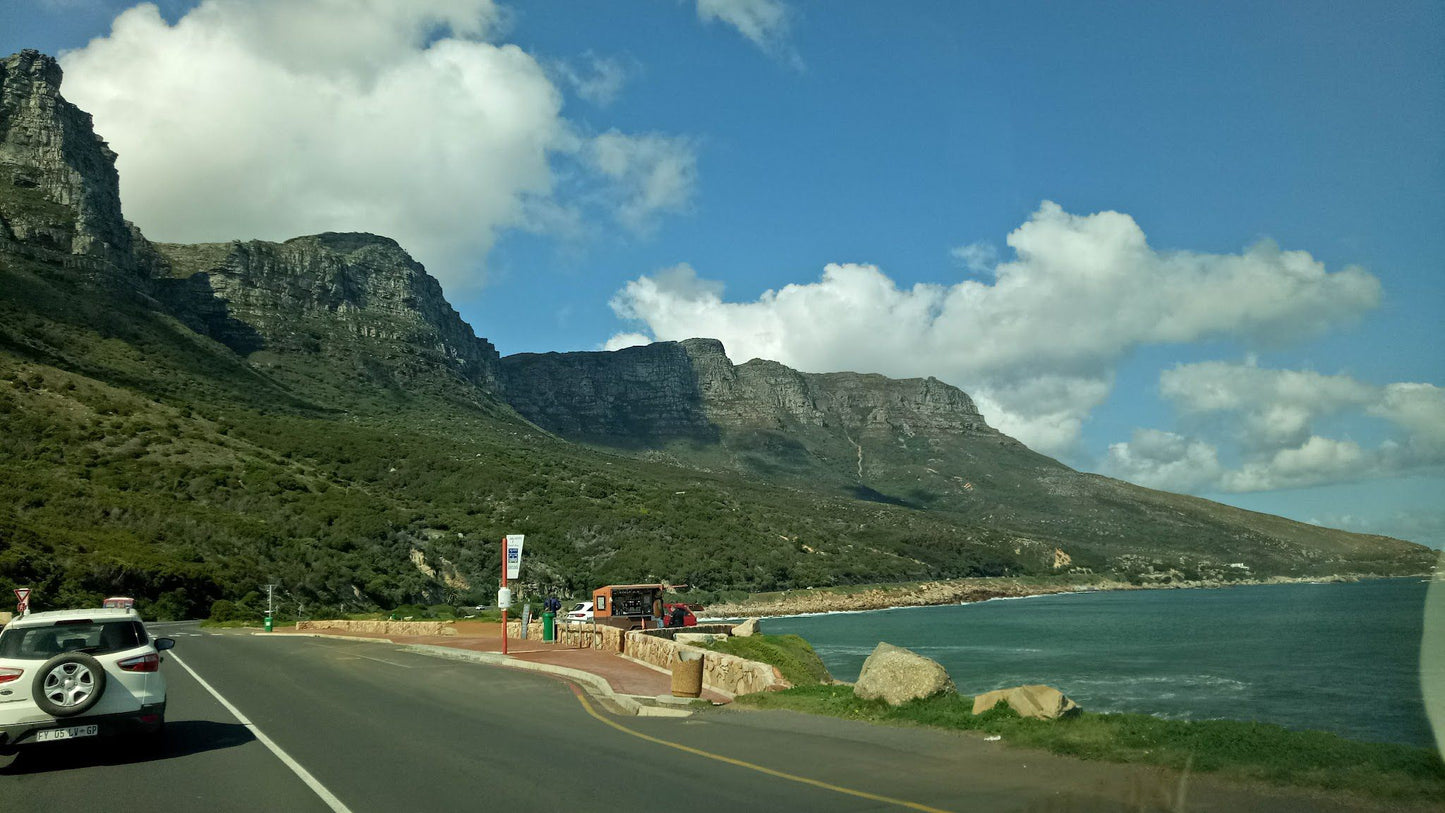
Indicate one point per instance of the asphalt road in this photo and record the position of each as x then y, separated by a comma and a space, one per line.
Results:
381, 729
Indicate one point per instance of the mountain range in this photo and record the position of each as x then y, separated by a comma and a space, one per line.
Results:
187, 422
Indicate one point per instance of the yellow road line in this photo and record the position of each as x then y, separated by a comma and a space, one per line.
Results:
862, 794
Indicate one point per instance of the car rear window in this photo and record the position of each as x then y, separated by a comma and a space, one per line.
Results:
95, 638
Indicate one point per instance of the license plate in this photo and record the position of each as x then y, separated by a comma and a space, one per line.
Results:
67, 733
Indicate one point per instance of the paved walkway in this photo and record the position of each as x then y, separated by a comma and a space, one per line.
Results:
625, 676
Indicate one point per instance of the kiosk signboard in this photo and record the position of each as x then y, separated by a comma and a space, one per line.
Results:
514, 554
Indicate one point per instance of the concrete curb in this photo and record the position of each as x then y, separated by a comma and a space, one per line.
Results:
356, 638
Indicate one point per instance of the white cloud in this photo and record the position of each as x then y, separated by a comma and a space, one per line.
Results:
1039, 342
1418, 408
257, 120
765, 23
622, 340
1278, 407
1317, 461
1426, 527
599, 81
1275, 412
1046, 411
977, 257
651, 173
1164, 460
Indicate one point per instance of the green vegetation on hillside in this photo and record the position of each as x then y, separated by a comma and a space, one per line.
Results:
1232, 748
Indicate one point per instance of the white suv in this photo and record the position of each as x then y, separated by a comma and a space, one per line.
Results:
79, 673
579, 614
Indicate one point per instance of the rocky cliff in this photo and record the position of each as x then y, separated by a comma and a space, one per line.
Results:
918, 443
325, 294
692, 388
759, 417
59, 191
356, 299
639, 395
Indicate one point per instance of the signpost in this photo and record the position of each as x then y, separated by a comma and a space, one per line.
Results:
511, 566
23, 605
514, 554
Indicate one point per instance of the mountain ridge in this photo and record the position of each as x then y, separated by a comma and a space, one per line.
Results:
314, 411
324, 293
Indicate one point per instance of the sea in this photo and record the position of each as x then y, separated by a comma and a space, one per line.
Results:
1340, 657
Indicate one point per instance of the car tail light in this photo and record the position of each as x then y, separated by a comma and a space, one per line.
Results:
150, 662
8, 675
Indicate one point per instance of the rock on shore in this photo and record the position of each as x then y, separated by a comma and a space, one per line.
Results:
1037, 701
896, 675
924, 594
958, 591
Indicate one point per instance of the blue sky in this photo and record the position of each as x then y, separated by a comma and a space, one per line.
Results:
1066, 209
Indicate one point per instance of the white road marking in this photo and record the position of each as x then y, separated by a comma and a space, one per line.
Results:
319, 789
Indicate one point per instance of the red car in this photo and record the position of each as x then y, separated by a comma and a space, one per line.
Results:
672, 614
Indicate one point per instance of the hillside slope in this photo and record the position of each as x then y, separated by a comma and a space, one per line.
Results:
917, 443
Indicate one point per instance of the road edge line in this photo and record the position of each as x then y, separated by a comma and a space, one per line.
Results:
763, 769
305, 776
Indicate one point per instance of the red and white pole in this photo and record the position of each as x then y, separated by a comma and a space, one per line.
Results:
504, 585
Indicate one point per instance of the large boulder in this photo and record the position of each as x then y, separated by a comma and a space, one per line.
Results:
896, 676
1037, 701
746, 629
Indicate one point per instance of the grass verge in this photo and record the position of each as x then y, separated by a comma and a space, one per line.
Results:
1232, 748
792, 654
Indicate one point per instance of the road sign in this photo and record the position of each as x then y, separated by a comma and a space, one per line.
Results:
514, 554
23, 594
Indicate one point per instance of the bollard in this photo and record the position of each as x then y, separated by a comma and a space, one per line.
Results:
687, 675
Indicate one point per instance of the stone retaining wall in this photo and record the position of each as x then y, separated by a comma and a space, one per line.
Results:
383, 627
723, 673
727, 674
670, 632
582, 636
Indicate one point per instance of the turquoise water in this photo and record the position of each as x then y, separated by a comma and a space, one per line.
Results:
1333, 657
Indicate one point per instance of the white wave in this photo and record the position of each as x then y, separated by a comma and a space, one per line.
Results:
1033, 595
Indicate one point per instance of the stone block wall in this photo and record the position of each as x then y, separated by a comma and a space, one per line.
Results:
534, 630
582, 636
723, 673
383, 627
670, 633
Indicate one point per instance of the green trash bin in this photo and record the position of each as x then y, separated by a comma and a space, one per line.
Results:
549, 626
268, 623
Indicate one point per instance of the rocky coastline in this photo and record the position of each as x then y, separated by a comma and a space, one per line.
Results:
958, 591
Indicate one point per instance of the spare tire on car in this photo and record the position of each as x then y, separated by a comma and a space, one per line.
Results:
68, 684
